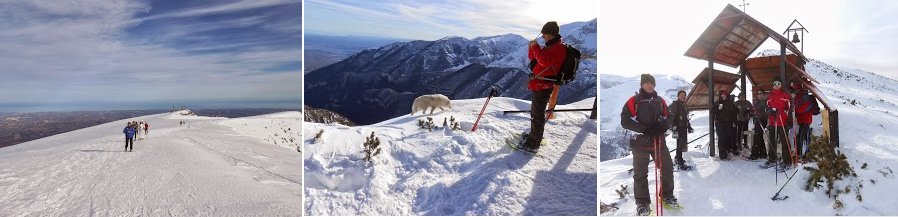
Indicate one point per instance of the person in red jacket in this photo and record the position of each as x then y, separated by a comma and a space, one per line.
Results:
778, 104
548, 61
804, 113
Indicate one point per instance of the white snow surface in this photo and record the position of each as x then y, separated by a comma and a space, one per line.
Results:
446, 172
740, 187
206, 169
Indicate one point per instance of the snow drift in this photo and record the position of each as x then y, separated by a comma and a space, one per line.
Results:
446, 172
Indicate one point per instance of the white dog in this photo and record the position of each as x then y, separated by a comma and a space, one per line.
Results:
422, 103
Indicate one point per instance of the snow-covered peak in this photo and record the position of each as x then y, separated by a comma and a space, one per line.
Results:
184, 112
581, 35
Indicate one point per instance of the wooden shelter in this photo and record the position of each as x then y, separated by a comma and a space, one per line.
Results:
698, 96
729, 40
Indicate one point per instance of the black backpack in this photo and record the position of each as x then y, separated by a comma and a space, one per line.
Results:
569, 67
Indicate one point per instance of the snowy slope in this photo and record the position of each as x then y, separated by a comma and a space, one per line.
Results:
448, 172
204, 169
739, 187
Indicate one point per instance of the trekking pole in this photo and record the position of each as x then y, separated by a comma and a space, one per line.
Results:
696, 139
657, 179
660, 175
791, 150
492, 93
777, 195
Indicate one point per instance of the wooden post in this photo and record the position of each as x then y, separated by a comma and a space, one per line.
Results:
594, 109
711, 105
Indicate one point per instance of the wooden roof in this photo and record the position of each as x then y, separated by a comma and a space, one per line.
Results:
762, 71
732, 37
698, 96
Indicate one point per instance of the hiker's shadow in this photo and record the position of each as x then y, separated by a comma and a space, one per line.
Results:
560, 192
464, 195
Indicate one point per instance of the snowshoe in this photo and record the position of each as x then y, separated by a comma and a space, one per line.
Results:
767, 165
782, 168
643, 210
684, 167
516, 143
670, 203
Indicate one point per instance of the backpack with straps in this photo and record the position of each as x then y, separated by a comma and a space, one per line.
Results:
570, 66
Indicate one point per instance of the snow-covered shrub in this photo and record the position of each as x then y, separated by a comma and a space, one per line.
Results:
372, 147
454, 125
832, 165
429, 125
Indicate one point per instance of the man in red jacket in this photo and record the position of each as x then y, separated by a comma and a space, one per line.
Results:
548, 62
804, 113
778, 104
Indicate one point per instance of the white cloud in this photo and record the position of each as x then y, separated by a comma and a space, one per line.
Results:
57, 52
436, 19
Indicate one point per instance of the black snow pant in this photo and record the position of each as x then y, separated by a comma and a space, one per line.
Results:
758, 149
779, 138
682, 132
741, 127
803, 137
724, 139
129, 143
538, 117
641, 155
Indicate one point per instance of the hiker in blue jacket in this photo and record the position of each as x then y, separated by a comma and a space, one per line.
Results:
129, 136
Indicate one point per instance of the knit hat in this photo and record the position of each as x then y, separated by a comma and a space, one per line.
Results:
646, 78
550, 28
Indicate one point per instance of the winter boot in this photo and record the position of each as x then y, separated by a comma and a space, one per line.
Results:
768, 165
643, 209
670, 202
524, 147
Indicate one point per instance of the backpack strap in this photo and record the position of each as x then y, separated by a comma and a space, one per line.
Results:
632, 105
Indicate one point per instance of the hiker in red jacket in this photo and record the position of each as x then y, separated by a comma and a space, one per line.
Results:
805, 106
778, 104
548, 62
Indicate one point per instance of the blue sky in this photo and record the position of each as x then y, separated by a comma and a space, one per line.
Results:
59, 55
431, 20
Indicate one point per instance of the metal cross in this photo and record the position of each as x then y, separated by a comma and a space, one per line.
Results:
743, 5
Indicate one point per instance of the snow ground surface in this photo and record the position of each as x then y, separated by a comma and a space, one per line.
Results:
206, 169
447, 172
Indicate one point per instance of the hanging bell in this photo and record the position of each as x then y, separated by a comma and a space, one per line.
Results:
795, 38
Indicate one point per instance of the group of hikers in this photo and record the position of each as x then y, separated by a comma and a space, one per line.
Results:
648, 115
132, 132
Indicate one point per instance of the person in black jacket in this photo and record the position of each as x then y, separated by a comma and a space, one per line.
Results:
725, 120
759, 117
679, 124
743, 114
646, 114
